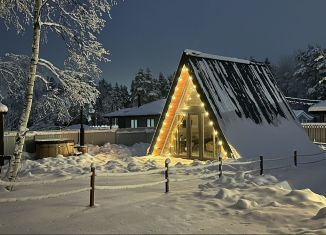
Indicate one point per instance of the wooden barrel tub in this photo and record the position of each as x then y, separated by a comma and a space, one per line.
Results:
53, 147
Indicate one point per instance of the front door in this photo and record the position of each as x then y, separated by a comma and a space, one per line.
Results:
195, 138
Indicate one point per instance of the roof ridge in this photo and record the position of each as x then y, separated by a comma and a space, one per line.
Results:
195, 53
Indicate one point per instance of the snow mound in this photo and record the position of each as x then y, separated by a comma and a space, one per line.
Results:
107, 158
138, 149
243, 204
275, 204
265, 180
305, 196
227, 194
321, 214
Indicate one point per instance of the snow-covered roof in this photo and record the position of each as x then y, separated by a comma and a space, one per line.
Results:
215, 57
77, 126
152, 108
319, 107
299, 113
245, 104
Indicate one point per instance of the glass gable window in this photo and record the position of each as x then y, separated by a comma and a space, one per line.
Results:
134, 123
150, 122
191, 134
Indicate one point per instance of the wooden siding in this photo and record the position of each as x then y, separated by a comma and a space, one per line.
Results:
315, 131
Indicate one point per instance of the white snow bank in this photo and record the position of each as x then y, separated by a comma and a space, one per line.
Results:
107, 158
243, 203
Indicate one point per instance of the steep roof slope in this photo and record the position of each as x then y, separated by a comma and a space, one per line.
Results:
246, 105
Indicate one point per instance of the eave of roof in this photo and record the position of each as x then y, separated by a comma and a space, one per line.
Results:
319, 107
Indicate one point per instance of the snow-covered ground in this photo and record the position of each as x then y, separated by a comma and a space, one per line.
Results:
234, 203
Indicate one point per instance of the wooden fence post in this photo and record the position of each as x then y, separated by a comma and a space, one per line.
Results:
92, 191
295, 158
220, 167
261, 165
167, 189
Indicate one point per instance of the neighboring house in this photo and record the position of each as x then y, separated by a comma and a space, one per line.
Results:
146, 115
302, 116
320, 110
226, 107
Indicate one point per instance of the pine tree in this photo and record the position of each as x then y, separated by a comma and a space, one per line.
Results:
311, 69
164, 86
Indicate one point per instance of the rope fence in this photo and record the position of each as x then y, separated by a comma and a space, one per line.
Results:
166, 170
195, 167
27, 183
308, 155
54, 195
161, 170
130, 186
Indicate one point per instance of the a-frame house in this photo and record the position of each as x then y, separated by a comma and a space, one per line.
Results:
226, 107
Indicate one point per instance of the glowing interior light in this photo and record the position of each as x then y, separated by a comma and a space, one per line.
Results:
215, 132
211, 123
202, 104
190, 77
195, 86
206, 114
220, 142
198, 95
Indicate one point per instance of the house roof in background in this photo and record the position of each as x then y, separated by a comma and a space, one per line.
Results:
319, 107
299, 113
152, 108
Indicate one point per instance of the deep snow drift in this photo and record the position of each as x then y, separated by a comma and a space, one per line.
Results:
235, 203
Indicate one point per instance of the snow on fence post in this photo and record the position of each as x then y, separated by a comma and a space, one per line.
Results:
92, 191
220, 167
167, 161
261, 165
295, 158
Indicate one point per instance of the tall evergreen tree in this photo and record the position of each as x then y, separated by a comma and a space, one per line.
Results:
163, 85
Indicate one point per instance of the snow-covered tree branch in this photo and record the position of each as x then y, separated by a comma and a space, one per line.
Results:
78, 23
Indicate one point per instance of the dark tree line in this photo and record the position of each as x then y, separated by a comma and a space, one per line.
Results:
144, 88
303, 75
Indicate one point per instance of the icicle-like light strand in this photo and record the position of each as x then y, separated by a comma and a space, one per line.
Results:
171, 110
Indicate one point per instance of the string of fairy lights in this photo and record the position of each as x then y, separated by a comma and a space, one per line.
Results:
179, 94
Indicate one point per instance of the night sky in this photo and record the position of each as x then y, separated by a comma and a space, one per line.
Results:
153, 33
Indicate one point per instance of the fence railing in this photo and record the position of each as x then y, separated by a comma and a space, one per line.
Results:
315, 131
296, 158
128, 136
94, 187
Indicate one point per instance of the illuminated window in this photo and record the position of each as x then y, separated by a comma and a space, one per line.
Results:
134, 123
150, 122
